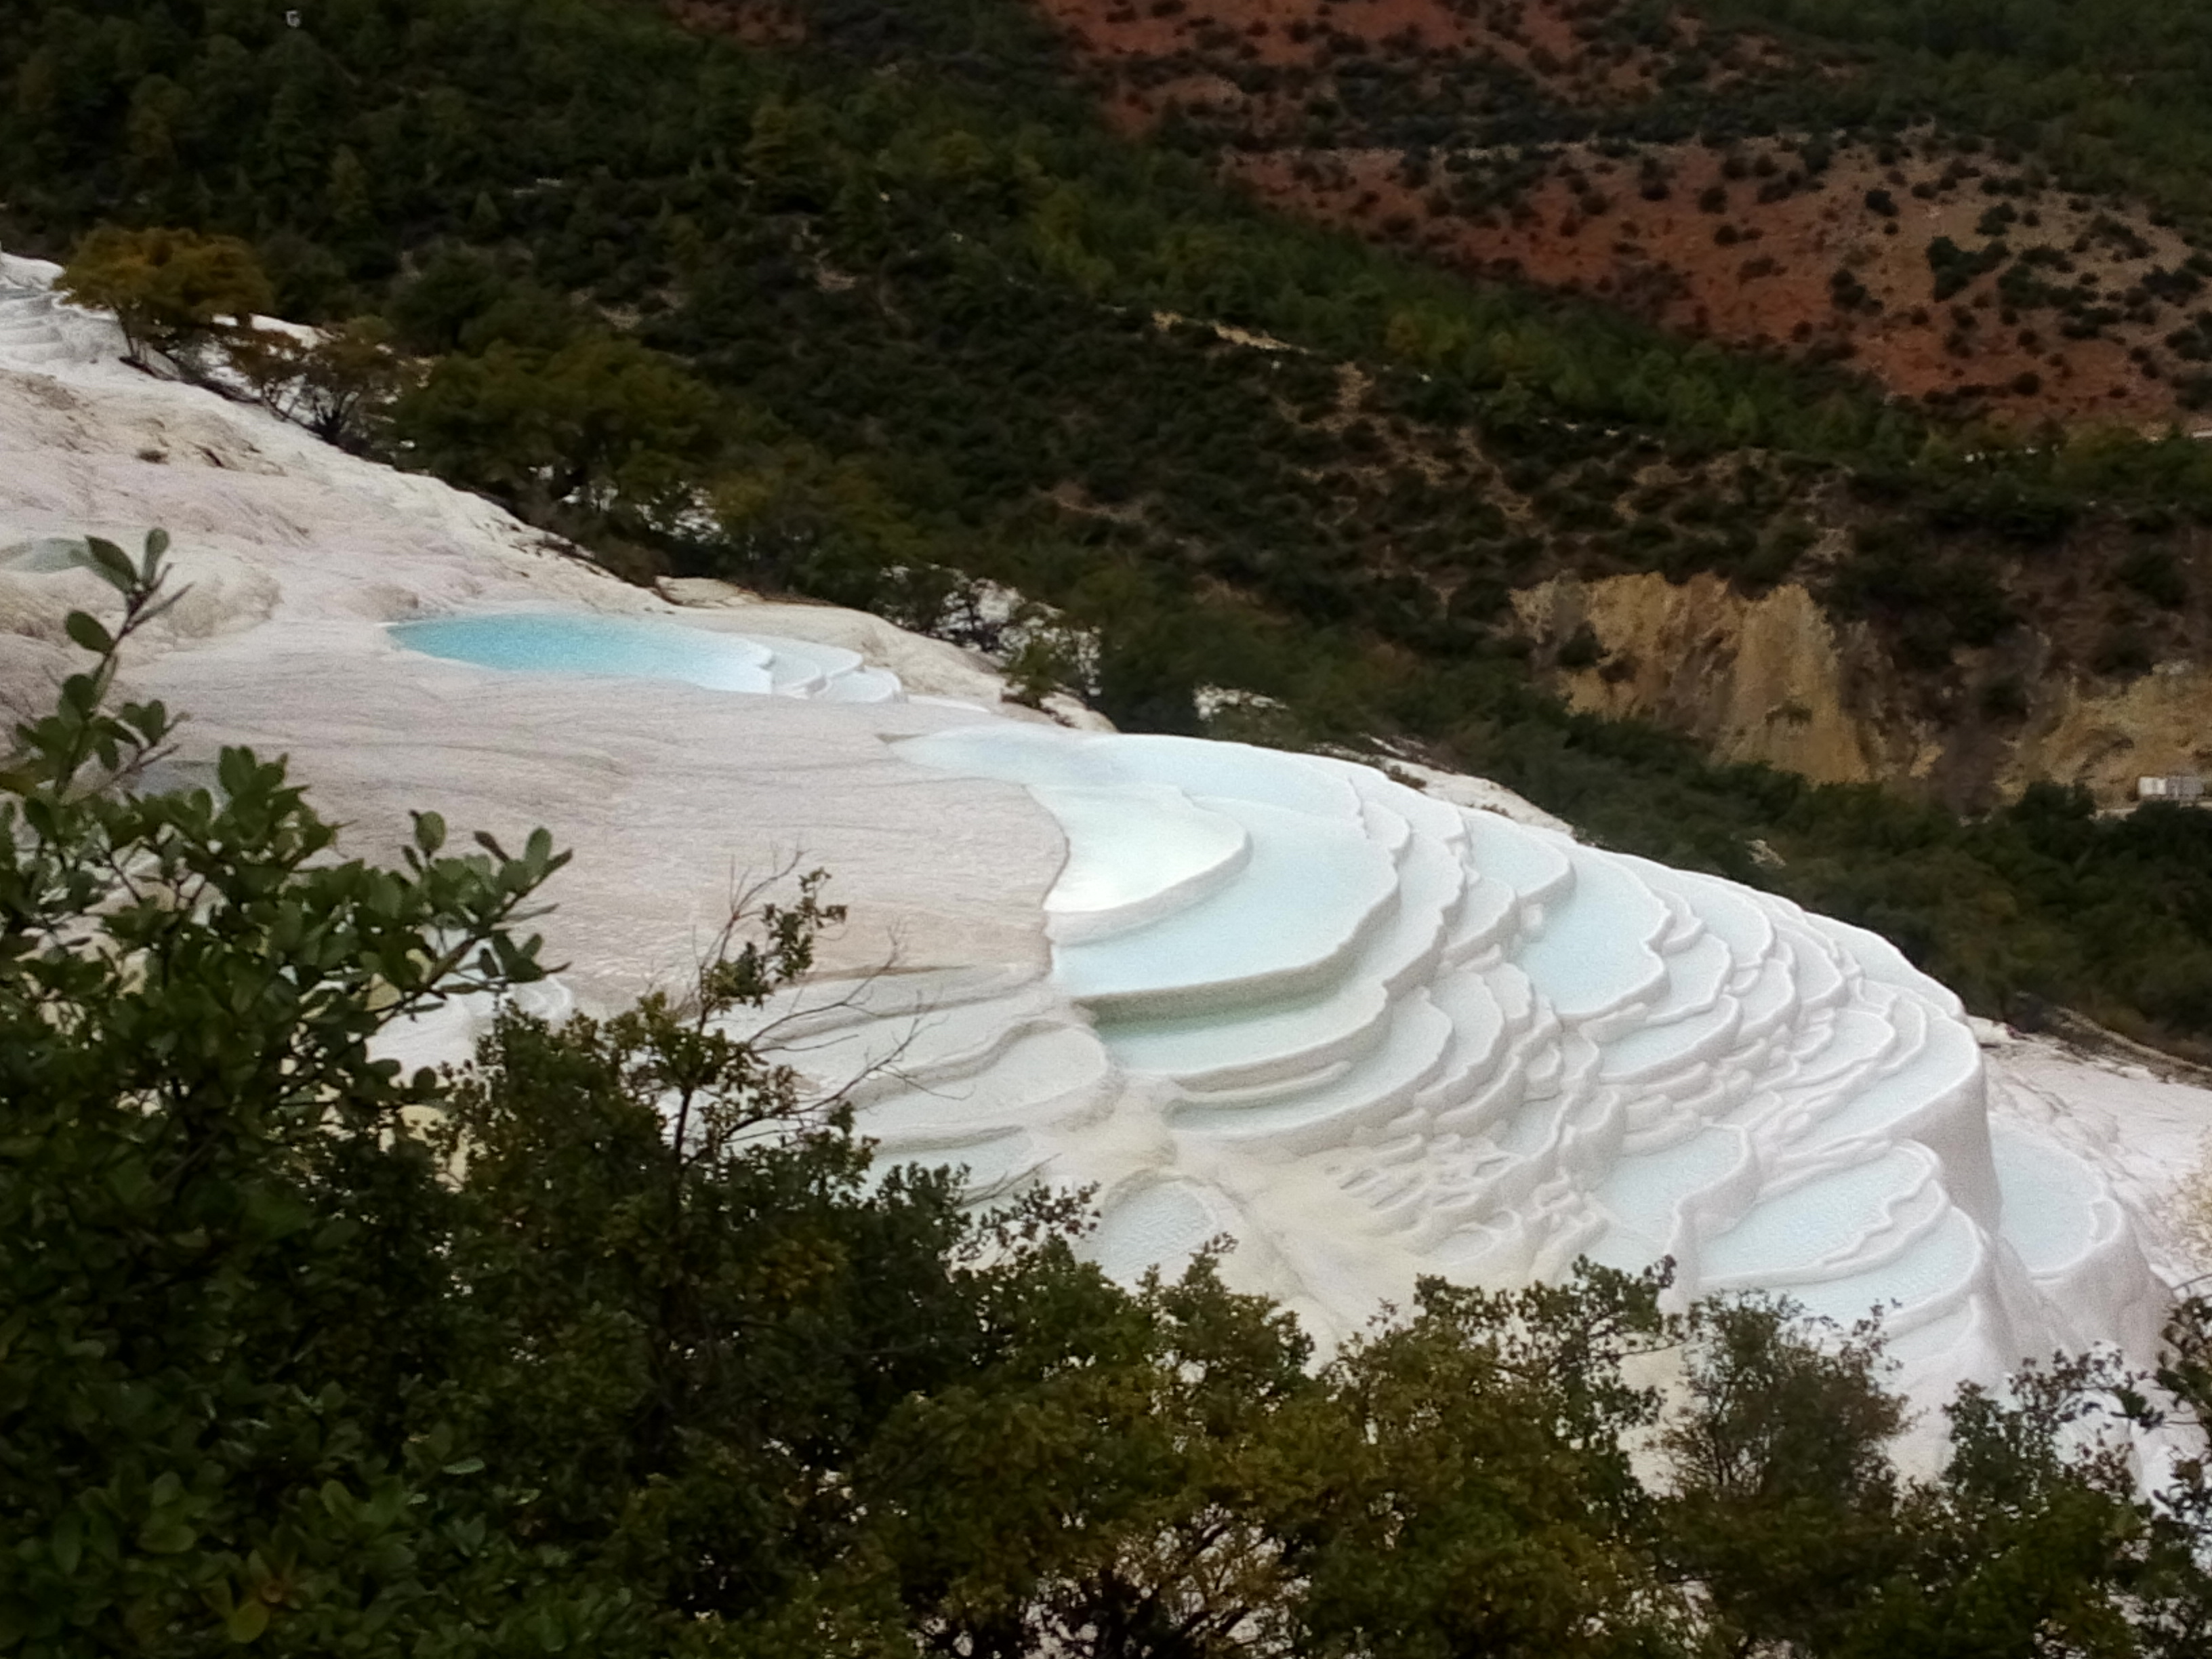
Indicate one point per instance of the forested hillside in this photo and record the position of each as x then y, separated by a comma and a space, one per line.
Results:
871, 300
2113, 94
1772, 192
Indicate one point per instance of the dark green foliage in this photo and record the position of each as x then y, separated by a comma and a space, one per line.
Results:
2122, 652
2004, 699
1484, 1502
2153, 573
1785, 1503
1954, 268
1935, 601
1581, 649
1144, 685
2027, 514
600, 424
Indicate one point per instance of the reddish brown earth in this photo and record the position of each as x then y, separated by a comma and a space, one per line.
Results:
1770, 285
1538, 39
1758, 265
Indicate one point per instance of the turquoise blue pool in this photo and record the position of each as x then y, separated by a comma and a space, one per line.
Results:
627, 647
649, 648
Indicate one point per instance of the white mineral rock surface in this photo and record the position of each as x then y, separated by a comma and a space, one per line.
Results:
1369, 1030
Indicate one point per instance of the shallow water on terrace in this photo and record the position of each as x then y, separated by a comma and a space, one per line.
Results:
1309, 887
1594, 951
1945, 1260
546, 643
2050, 1203
1817, 1222
1642, 1191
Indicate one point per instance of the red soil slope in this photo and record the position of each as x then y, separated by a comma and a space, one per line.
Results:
1768, 244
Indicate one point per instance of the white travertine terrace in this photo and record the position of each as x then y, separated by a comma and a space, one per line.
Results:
1368, 1032
1378, 1036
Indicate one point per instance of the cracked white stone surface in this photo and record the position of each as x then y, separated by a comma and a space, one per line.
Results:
1369, 1031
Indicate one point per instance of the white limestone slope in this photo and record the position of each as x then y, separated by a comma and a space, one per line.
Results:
1378, 1036
1368, 1032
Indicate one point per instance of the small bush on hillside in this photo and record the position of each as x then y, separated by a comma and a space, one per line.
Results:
2154, 573
2123, 653
171, 291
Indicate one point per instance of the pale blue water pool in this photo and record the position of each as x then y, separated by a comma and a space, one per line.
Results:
619, 645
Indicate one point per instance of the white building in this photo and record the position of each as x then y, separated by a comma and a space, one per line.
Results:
2180, 786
